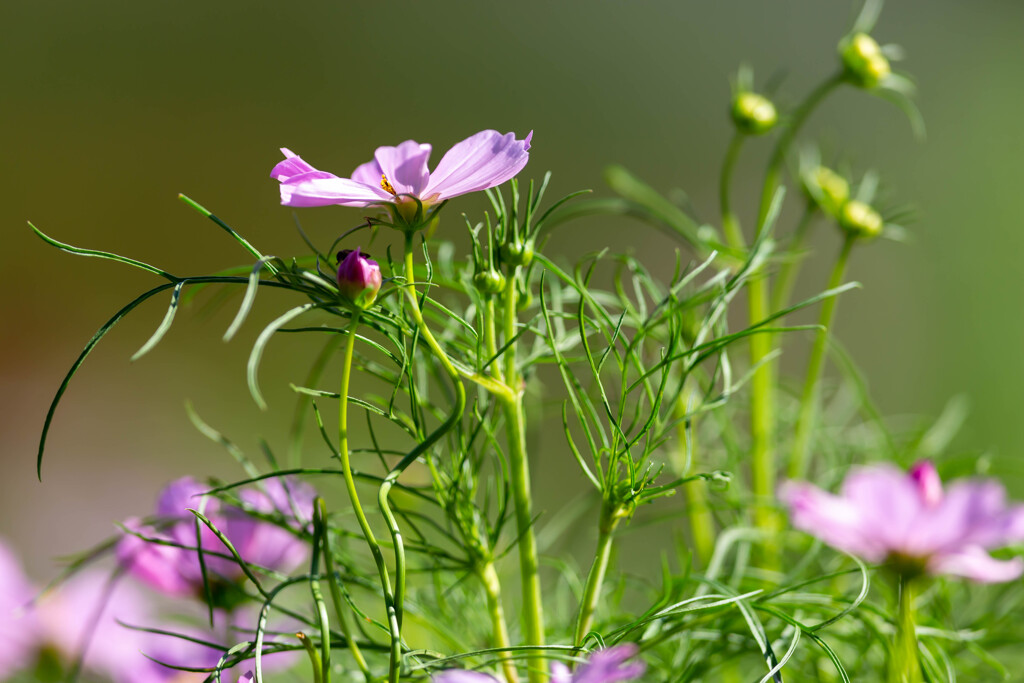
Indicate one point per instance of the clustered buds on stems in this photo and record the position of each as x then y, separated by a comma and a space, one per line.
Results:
863, 61
359, 278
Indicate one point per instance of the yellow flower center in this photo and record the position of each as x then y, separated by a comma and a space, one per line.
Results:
386, 186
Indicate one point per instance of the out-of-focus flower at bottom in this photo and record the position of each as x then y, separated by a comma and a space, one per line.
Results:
174, 569
883, 514
604, 666
18, 628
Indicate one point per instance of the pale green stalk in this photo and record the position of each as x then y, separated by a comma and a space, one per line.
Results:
357, 508
788, 271
809, 399
905, 665
519, 470
492, 587
762, 383
610, 517
702, 525
336, 596
730, 223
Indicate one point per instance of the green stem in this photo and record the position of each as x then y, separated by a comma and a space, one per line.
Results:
904, 665
357, 508
319, 530
392, 477
762, 399
790, 269
762, 412
702, 525
595, 579
314, 658
492, 586
810, 398
519, 466
730, 223
785, 141
336, 597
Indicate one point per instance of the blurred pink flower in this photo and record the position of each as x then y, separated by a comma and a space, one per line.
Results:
176, 571
19, 629
604, 666
481, 161
885, 514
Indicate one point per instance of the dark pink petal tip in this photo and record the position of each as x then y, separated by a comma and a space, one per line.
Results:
926, 478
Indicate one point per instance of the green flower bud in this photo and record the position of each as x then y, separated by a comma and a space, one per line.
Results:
863, 60
860, 219
753, 114
517, 253
489, 281
828, 189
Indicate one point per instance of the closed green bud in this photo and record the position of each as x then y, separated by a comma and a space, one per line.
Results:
489, 281
828, 189
863, 60
860, 219
753, 114
517, 253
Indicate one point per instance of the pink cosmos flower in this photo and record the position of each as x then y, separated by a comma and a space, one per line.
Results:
885, 514
359, 277
604, 666
176, 571
479, 162
18, 626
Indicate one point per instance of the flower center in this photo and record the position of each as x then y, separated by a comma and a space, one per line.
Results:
386, 186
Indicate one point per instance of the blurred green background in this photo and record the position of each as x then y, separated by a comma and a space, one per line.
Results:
111, 108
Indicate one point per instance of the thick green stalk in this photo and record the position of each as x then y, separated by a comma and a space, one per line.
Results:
702, 525
762, 411
492, 586
762, 384
595, 579
809, 399
357, 508
519, 466
904, 665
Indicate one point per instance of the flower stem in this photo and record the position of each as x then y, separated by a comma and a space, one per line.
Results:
595, 579
702, 526
904, 665
790, 269
332, 581
412, 456
519, 466
785, 141
809, 399
492, 586
730, 223
762, 399
357, 508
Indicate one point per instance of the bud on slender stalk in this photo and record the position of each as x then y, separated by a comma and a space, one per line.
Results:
863, 61
860, 219
753, 114
359, 278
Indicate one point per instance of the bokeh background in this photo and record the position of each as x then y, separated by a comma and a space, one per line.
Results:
108, 109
